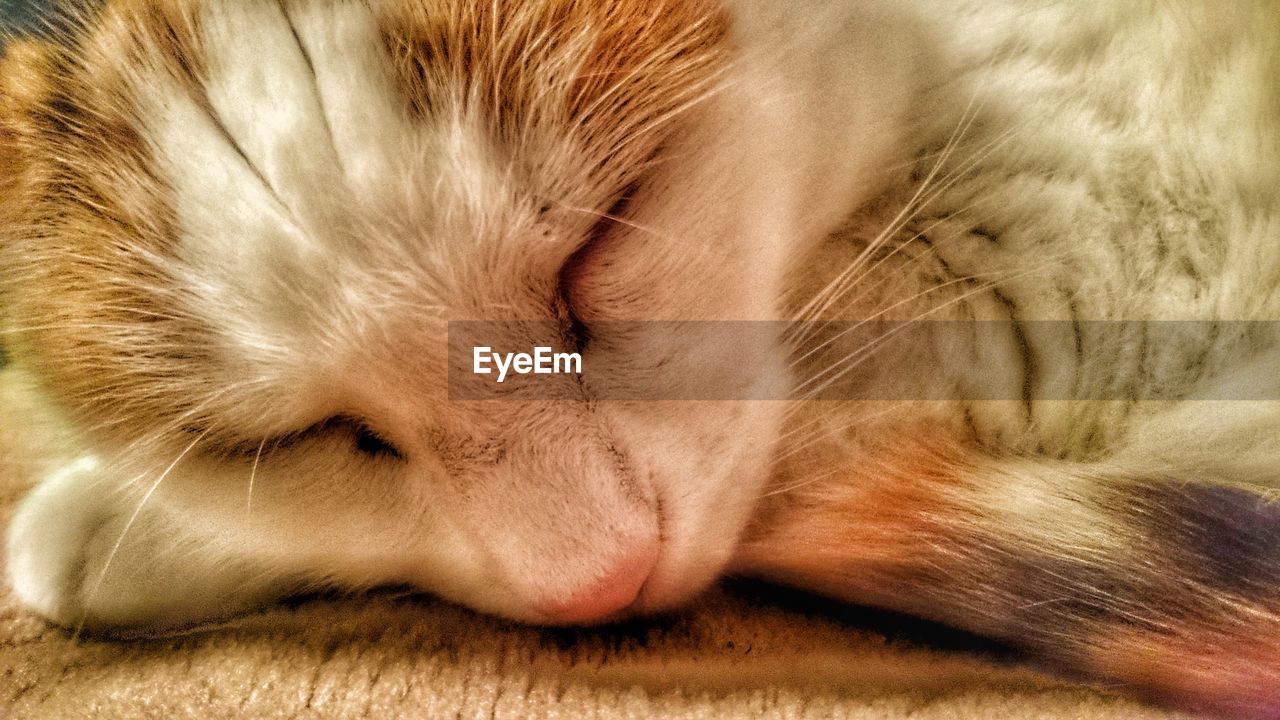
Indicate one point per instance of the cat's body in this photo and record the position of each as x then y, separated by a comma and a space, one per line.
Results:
1124, 536
222, 227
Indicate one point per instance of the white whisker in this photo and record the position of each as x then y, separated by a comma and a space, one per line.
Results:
840, 369
253, 474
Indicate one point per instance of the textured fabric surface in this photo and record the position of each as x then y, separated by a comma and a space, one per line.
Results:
739, 652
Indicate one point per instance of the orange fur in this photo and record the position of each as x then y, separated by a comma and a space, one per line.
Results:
854, 543
610, 71
9, 160
84, 202
1201, 664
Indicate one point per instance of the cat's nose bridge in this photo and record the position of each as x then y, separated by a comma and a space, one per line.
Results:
550, 444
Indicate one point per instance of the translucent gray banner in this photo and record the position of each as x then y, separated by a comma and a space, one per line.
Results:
865, 360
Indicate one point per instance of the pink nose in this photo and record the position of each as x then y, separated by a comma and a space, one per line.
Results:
613, 592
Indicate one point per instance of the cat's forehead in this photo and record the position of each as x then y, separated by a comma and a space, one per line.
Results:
530, 61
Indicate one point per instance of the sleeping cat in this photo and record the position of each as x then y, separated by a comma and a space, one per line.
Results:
234, 236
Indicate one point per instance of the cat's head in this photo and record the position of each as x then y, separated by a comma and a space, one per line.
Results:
234, 234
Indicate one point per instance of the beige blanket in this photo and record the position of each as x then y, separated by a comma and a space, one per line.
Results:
737, 653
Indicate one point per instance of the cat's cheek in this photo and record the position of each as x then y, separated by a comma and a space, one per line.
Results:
695, 553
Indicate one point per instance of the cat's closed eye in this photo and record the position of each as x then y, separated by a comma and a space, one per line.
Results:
344, 429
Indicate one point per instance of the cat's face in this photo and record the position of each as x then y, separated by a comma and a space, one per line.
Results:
235, 236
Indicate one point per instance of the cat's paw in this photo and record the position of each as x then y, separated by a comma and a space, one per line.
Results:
86, 555
49, 542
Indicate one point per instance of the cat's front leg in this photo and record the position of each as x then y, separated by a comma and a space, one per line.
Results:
90, 552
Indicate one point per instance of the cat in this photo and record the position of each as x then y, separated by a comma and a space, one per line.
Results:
234, 239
